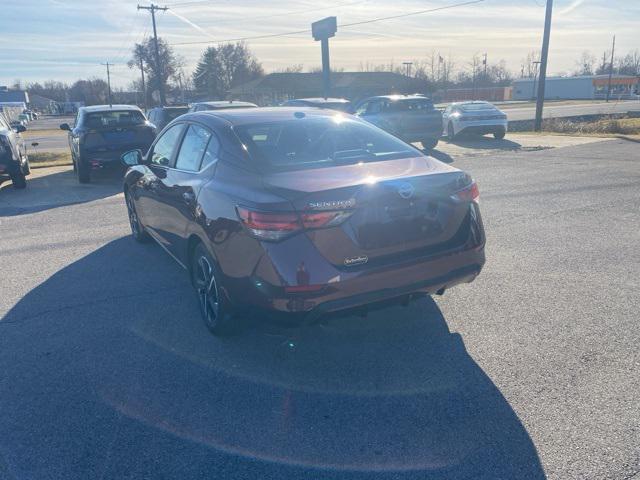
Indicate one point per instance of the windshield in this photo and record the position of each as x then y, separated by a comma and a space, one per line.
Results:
319, 142
116, 118
411, 105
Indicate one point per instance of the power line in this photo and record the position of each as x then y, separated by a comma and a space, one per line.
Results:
345, 25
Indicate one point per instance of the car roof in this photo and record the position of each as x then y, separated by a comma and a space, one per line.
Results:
243, 116
320, 100
106, 108
171, 107
226, 103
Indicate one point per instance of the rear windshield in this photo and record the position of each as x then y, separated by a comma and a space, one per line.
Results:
173, 113
411, 105
319, 142
472, 107
124, 118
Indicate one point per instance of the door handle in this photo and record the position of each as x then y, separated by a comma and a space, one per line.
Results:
189, 198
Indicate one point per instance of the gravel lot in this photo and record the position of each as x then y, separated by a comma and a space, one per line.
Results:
529, 372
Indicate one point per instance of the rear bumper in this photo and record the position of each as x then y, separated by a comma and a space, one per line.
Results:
431, 133
340, 288
482, 128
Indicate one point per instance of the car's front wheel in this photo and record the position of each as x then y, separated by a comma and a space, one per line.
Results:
214, 307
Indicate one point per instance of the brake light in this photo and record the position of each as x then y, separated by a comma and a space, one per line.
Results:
278, 225
470, 193
269, 226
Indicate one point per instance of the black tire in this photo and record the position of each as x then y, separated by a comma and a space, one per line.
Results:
18, 179
26, 168
83, 171
450, 132
214, 307
499, 135
137, 230
429, 144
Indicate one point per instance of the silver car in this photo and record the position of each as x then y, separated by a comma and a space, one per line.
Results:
474, 117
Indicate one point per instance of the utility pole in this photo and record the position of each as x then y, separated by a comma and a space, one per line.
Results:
407, 66
543, 65
484, 62
535, 79
613, 49
144, 89
108, 82
152, 8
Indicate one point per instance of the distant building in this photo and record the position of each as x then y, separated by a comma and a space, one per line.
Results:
488, 94
582, 87
7, 95
278, 87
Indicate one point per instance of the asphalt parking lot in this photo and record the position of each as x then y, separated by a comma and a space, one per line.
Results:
529, 372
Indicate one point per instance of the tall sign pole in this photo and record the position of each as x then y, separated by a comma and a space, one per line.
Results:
542, 79
322, 31
152, 8
109, 83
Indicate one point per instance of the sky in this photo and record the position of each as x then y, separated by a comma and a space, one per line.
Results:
69, 39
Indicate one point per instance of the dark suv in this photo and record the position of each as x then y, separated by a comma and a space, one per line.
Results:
160, 117
102, 132
14, 162
413, 118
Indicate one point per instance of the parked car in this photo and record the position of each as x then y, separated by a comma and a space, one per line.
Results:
220, 105
412, 118
14, 162
340, 104
102, 132
301, 211
23, 117
160, 117
18, 123
474, 117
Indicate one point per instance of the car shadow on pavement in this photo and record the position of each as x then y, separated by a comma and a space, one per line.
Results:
440, 155
56, 189
480, 142
109, 372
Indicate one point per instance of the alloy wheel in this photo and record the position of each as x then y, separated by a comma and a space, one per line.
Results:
207, 289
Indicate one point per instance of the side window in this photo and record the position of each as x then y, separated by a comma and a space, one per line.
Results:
362, 108
192, 149
164, 147
211, 153
374, 108
76, 122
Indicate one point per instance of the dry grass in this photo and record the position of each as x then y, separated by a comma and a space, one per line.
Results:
49, 159
620, 126
44, 133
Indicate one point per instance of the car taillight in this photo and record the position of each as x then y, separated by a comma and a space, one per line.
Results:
470, 193
278, 225
269, 226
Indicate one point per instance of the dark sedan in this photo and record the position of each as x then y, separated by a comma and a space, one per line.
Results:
102, 133
301, 211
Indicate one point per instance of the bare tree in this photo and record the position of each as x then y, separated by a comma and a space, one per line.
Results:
585, 65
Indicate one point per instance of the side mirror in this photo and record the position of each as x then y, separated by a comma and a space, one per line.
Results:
65, 126
20, 128
132, 158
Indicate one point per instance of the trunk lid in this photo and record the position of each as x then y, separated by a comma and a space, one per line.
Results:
399, 207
